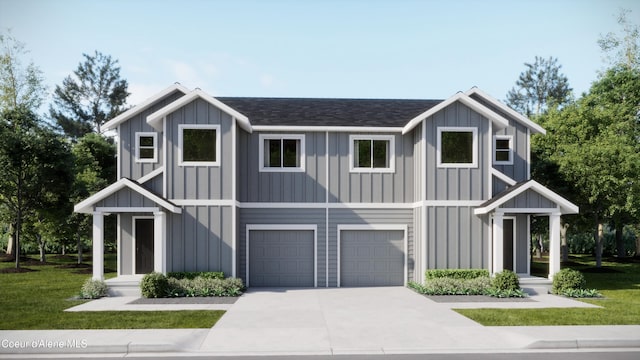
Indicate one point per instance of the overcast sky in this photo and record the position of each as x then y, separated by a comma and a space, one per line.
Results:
357, 49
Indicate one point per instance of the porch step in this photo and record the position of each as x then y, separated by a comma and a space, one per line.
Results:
128, 285
533, 285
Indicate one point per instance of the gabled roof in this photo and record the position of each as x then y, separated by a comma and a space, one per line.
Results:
566, 207
516, 115
113, 123
329, 112
499, 121
155, 119
85, 206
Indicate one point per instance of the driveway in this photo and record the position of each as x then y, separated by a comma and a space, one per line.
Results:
342, 321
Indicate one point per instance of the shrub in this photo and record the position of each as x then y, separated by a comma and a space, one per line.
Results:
203, 286
456, 273
506, 280
93, 289
581, 293
493, 292
194, 274
452, 286
567, 279
154, 285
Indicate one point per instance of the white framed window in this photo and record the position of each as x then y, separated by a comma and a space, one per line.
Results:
457, 147
198, 145
503, 150
281, 153
372, 153
146, 147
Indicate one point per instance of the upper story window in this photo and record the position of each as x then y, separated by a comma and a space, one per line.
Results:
503, 150
199, 145
372, 153
457, 147
281, 153
146, 147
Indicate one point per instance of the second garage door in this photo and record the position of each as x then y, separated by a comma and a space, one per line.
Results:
281, 258
372, 258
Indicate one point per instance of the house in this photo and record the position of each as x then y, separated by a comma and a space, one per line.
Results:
288, 192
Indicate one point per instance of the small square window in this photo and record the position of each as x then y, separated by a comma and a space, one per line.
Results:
199, 145
457, 147
282, 153
502, 150
146, 147
372, 153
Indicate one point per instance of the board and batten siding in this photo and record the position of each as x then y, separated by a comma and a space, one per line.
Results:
528, 199
129, 168
125, 198
199, 182
370, 187
457, 183
265, 186
521, 243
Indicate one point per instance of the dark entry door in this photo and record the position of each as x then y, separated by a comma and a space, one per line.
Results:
507, 248
144, 245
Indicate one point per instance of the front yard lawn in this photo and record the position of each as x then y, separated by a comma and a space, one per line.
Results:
617, 281
36, 299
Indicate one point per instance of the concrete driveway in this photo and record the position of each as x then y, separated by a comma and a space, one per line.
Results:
342, 321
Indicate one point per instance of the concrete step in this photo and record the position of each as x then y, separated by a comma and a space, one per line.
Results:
124, 286
533, 285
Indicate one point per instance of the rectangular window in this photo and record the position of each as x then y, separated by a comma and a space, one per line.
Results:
284, 153
503, 150
146, 147
199, 145
372, 153
457, 147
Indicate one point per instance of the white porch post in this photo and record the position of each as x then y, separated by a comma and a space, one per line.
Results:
159, 242
498, 232
98, 246
554, 244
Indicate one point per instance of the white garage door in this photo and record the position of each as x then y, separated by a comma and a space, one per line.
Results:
281, 258
371, 258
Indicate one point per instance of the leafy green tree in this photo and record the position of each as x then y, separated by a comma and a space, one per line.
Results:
622, 49
539, 87
93, 95
20, 85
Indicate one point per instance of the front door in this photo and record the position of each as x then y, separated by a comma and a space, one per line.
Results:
144, 245
507, 247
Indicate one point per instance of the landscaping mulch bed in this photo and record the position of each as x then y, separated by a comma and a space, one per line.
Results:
186, 300
473, 299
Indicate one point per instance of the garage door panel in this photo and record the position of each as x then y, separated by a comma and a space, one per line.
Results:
281, 258
371, 257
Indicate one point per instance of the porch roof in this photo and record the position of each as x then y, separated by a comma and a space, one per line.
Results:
563, 205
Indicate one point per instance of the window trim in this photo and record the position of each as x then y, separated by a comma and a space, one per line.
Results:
281, 137
474, 147
510, 149
181, 128
138, 135
392, 157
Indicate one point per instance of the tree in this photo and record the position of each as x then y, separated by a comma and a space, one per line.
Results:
622, 49
19, 85
93, 95
539, 87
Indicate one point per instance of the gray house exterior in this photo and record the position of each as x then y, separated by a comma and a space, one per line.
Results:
288, 192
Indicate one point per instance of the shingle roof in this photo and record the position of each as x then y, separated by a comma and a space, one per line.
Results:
329, 112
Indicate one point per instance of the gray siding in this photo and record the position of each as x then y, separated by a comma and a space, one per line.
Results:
499, 186
199, 182
457, 183
125, 198
418, 162
154, 185
521, 244
256, 186
125, 251
349, 187
529, 199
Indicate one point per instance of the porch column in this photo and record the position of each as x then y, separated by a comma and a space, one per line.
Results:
498, 232
98, 246
554, 244
159, 242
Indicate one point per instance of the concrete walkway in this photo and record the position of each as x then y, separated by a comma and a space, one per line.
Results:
327, 321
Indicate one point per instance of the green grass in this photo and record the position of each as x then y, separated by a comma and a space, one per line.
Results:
618, 282
37, 300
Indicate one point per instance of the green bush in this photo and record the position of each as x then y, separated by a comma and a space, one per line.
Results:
506, 280
567, 279
203, 286
493, 292
194, 274
456, 273
93, 289
581, 293
154, 285
452, 286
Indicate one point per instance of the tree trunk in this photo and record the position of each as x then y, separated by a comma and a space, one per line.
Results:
539, 246
41, 246
64, 250
564, 250
622, 252
599, 238
12, 239
79, 240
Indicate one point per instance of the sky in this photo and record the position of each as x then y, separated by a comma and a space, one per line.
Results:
336, 49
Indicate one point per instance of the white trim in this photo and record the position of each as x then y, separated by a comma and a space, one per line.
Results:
528, 150
204, 202
119, 252
489, 176
116, 121
284, 227
459, 203
234, 198
98, 245
327, 128
551, 210
519, 117
566, 207
500, 175
383, 227
134, 241
528, 244
165, 153
118, 157
326, 211
155, 118
301, 155
423, 167
514, 252
123, 209
182, 127
498, 120
151, 175
314, 205
495, 150
137, 136
474, 146
391, 155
